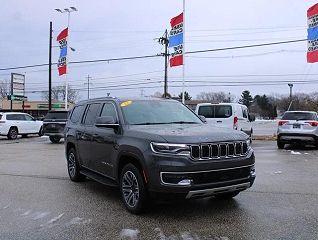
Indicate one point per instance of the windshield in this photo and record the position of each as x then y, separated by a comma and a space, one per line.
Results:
144, 112
299, 116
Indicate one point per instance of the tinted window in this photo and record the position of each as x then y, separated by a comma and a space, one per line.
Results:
109, 110
91, 114
223, 111
299, 116
77, 114
57, 115
206, 111
157, 112
16, 117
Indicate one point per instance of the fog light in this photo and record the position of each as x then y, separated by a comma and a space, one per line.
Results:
185, 182
253, 172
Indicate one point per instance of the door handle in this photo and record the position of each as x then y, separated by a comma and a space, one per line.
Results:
219, 121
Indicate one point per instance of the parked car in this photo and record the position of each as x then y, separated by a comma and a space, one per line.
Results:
13, 124
54, 124
154, 149
228, 115
297, 127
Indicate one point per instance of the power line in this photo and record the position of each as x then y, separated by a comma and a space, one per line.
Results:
159, 55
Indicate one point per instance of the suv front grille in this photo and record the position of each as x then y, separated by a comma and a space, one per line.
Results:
219, 150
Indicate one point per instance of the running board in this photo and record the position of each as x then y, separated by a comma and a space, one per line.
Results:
99, 178
215, 191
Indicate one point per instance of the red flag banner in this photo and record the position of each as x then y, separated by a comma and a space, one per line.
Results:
62, 39
312, 20
176, 41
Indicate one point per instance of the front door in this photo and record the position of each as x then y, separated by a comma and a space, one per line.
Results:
104, 143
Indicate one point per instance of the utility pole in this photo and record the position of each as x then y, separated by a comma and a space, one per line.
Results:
50, 68
165, 41
88, 78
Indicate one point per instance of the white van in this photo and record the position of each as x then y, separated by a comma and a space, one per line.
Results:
227, 115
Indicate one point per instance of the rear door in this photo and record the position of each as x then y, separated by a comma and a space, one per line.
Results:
17, 120
85, 135
220, 115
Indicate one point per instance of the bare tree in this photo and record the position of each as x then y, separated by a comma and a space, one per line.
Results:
215, 97
4, 89
58, 94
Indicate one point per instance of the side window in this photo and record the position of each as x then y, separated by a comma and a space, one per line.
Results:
11, 117
206, 111
91, 113
77, 114
244, 111
109, 110
28, 118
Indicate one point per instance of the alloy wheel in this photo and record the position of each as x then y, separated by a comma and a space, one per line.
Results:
71, 164
130, 189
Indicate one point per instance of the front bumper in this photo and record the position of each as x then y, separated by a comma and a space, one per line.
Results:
180, 175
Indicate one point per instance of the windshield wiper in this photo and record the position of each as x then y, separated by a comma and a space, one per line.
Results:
182, 122
147, 123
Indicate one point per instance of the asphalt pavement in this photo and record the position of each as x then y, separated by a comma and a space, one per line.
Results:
38, 201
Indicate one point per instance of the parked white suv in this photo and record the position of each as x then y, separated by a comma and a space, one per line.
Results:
13, 124
227, 115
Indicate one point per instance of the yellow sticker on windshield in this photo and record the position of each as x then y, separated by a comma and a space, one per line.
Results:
126, 103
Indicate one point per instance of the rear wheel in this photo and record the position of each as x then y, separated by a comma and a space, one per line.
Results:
133, 189
13, 133
280, 145
227, 195
55, 139
73, 166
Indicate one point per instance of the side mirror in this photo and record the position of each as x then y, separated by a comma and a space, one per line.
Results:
203, 119
251, 117
106, 122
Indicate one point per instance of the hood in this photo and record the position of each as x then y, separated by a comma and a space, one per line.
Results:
188, 133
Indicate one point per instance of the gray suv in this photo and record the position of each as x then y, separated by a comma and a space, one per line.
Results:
297, 127
155, 149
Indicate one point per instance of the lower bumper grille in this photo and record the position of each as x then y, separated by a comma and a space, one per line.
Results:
207, 177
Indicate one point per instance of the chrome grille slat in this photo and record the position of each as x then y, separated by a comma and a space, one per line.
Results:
223, 150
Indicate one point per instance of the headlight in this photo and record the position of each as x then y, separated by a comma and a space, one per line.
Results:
170, 148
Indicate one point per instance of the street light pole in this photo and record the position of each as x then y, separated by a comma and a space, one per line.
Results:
290, 85
68, 11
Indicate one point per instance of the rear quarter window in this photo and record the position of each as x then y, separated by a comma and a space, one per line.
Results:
77, 114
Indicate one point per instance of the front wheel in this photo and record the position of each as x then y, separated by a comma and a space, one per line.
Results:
13, 133
133, 190
73, 167
55, 139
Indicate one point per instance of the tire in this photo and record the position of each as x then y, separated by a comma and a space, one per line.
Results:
280, 145
13, 133
40, 132
55, 139
133, 190
73, 167
225, 196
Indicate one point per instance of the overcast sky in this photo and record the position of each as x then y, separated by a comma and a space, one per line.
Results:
110, 29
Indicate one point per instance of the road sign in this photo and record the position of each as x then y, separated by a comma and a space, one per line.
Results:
17, 98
